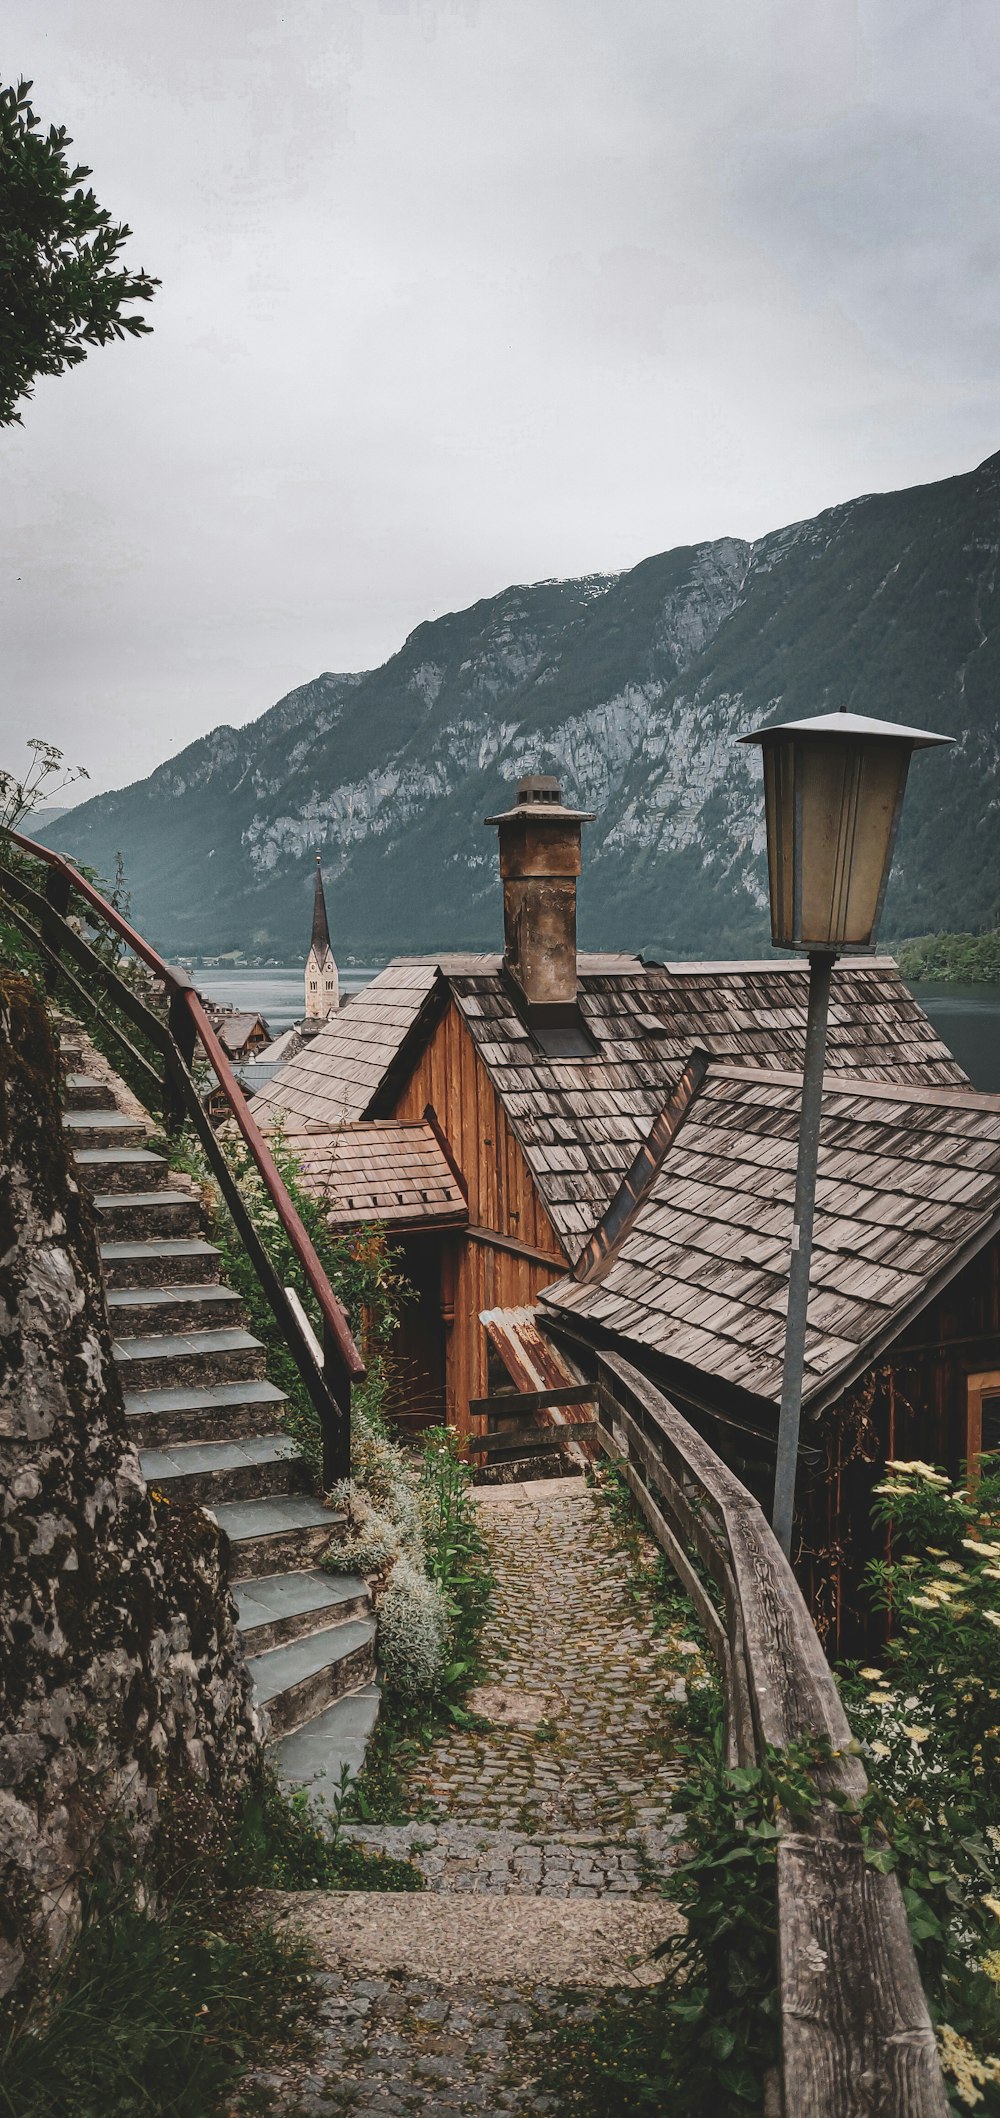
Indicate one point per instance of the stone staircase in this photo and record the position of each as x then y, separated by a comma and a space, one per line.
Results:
207, 1425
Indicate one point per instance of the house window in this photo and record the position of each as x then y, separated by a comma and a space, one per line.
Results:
983, 1414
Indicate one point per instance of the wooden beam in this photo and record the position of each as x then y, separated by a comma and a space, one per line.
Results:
517, 1437
489, 1238
505, 1406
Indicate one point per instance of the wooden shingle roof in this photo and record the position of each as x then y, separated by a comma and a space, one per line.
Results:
908, 1190
333, 1079
580, 1121
387, 1171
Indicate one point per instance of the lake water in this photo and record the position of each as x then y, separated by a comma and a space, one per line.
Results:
966, 1016
277, 995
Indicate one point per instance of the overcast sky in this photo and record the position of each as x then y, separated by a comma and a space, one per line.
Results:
464, 292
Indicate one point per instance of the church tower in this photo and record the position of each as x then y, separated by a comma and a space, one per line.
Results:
322, 982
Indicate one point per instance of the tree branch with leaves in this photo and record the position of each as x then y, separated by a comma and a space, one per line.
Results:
63, 285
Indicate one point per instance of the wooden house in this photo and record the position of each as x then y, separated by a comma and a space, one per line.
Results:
488, 1111
688, 1273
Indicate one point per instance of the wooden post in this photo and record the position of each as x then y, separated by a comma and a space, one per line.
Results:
183, 1036
336, 1440
57, 889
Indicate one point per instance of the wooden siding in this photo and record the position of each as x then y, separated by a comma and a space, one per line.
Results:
503, 1199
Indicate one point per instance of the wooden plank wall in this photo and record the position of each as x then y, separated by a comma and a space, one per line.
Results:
502, 1197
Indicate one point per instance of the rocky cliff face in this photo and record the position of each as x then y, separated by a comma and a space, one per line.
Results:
121, 1677
633, 688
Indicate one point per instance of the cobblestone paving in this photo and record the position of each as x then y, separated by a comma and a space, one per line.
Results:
394, 2046
566, 1794
566, 1636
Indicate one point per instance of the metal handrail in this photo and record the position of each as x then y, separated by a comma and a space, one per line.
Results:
186, 1027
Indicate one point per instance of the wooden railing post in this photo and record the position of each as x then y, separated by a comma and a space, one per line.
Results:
184, 1036
336, 1441
57, 889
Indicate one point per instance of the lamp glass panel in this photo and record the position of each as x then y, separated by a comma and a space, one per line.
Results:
847, 799
779, 809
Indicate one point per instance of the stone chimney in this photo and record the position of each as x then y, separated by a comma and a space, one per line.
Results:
539, 864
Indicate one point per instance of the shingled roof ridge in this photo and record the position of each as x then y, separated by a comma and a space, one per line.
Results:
603, 1246
866, 1087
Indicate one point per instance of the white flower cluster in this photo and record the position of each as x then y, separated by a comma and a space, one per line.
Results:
385, 1540
412, 1630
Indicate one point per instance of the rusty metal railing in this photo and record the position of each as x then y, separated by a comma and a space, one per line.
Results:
44, 917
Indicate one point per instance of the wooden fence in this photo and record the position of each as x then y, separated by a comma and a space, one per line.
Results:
856, 2034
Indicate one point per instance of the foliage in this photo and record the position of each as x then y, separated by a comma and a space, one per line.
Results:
65, 288
430, 1622
281, 1842
362, 1269
19, 797
153, 2013
457, 1553
929, 1722
704, 2039
961, 959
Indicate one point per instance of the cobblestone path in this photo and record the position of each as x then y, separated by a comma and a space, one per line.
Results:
561, 1805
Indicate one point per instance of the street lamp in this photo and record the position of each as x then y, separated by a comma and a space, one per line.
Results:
833, 791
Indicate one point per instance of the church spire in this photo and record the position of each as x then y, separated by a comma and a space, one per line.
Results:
321, 931
322, 982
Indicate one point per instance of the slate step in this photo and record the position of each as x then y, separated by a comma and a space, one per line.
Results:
313, 1756
85, 1092
215, 1471
103, 1128
282, 1607
168, 1261
119, 1168
140, 1310
128, 1217
168, 1359
71, 1051
297, 1681
277, 1534
206, 1412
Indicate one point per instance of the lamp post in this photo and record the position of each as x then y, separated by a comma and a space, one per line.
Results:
833, 791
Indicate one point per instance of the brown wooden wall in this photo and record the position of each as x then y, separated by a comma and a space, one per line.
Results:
502, 1195
912, 1405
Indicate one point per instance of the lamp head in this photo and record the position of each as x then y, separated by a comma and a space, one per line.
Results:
833, 792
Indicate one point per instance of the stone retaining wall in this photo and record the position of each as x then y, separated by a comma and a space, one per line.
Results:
121, 1676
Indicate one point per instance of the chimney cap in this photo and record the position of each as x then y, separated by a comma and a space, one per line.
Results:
539, 800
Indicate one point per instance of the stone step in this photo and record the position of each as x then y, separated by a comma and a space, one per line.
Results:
278, 1534
85, 1092
71, 1051
171, 1358
282, 1607
103, 1128
119, 1168
297, 1681
206, 1412
131, 1216
141, 1310
313, 1757
215, 1471
172, 1261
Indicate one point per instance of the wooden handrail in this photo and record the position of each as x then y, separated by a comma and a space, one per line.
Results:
180, 987
855, 2026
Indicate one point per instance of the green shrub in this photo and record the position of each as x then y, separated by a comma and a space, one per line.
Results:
928, 1716
153, 2014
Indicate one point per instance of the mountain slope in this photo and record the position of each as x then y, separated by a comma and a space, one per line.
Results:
633, 688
